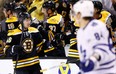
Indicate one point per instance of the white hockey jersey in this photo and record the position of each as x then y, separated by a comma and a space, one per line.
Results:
95, 38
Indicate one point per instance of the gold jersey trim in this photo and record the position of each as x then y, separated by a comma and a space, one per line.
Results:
55, 19
105, 16
12, 19
73, 50
27, 62
49, 49
18, 31
75, 56
24, 60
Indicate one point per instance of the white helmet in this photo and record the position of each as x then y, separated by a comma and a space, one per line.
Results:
86, 8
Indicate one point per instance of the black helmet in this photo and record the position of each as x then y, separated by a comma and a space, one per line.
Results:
10, 6
50, 5
23, 15
17, 1
98, 5
21, 8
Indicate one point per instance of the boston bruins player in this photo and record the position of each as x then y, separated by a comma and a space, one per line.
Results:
54, 20
54, 25
9, 23
23, 45
11, 19
73, 54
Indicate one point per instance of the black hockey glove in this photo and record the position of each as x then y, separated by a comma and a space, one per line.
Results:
17, 49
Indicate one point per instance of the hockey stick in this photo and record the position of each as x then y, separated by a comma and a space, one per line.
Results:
62, 64
43, 70
32, 9
18, 54
16, 64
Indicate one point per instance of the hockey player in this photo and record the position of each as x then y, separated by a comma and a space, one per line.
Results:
64, 10
94, 43
23, 45
54, 25
105, 17
11, 19
9, 23
54, 20
73, 54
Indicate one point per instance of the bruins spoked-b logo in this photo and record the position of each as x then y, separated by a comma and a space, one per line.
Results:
28, 45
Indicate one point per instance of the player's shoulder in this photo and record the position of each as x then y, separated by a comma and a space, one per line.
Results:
12, 19
97, 23
54, 19
14, 32
33, 30
105, 12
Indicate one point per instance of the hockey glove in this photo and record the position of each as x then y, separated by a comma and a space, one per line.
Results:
91, 63
79, 73
87, 65
17, 49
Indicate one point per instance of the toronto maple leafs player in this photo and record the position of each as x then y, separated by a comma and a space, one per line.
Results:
94, 43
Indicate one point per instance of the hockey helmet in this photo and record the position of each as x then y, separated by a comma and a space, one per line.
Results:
24, 15
50, 5
86, 8
21, 8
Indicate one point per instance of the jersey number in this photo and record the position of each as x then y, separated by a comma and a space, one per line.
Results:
11, 26
52, 28
97, 36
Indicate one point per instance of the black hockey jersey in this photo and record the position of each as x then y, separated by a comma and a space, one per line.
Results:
73, 54
31, 40
54, 23
11, 23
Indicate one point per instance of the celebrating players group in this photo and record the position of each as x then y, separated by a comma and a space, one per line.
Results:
43, 29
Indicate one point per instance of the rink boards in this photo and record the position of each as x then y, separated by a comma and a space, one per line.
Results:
49, 66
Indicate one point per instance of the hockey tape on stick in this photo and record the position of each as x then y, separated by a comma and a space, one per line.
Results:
46, 69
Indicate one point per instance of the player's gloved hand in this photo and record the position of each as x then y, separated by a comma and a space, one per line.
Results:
79, 73
17, 49
87, 65
91, 63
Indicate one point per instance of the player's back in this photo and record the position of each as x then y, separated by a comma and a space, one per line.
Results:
95, 38
54, 23
11, 23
